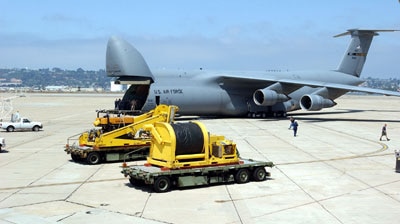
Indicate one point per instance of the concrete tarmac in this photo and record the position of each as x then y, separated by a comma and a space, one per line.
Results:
335, 171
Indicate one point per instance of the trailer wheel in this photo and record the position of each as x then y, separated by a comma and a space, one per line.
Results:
132, 181
162, 184
93, 158
242, 176
75, 158
259, 174
135, 182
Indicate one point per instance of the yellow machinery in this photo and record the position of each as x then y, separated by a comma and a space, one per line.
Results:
185, 154
106, 121
109, 120
184, 145
110, 143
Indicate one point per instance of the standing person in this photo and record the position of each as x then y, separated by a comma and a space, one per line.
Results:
384, 133
15, 117
116, 104
291, 122
294, 125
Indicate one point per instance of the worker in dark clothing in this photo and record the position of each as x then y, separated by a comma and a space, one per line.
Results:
293, 125
384, 133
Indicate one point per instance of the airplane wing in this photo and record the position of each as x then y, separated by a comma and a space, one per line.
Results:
291, 85
342, 87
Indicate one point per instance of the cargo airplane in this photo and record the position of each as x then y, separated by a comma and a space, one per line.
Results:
241, 93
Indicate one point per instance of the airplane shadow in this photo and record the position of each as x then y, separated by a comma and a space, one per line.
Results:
309, 116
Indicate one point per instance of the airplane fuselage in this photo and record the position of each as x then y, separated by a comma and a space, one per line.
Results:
209, 91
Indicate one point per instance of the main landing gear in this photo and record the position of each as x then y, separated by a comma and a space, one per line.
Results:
266, 114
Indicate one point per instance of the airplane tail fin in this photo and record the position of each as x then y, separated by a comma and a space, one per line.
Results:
126, 63
356, 53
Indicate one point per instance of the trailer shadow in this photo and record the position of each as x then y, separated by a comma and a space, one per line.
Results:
84, 162
142, 187
148, 188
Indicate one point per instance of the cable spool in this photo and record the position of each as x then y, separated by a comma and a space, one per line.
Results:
189, 138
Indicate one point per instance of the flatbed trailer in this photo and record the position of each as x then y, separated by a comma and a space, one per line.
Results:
163, 179
91, 155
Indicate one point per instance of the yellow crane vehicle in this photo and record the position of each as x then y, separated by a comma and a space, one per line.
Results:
185, 154
119, 137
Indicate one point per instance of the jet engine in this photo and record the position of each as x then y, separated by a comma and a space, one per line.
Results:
268, 97
313, 102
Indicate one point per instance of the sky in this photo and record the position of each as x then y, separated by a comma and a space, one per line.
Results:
214, 35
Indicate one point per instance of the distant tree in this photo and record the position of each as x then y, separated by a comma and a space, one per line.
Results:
57, 70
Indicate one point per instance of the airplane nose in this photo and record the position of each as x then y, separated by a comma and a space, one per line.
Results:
122, 59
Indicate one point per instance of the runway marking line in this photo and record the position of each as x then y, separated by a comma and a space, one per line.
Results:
368, 154
64, 183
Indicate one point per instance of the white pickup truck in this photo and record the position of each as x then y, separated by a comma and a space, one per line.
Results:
22, 124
